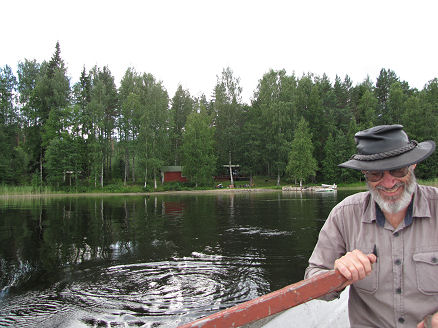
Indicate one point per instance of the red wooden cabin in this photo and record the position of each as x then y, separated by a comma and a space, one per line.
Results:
172, 173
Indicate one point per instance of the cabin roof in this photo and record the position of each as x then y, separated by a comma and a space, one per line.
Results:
171, 169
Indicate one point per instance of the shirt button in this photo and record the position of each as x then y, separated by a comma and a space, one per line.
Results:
434, 260
397, 262
401, 320
398, 291
396, 234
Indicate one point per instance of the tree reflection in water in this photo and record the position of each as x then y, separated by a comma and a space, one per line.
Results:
150, 260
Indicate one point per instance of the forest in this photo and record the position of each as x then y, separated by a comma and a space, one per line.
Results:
295, 128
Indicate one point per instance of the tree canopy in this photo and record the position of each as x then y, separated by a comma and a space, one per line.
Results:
98, 131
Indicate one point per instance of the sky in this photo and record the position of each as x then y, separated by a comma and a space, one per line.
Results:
190, 42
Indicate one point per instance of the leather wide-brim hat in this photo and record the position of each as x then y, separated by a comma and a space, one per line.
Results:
387, 147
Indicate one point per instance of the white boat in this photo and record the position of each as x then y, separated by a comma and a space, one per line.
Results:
322, 188
314, 314
333, 186
327, 188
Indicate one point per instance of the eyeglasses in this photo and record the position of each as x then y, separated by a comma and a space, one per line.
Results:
374, 176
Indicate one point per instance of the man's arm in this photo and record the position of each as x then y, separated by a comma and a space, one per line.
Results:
329, 247
331, 252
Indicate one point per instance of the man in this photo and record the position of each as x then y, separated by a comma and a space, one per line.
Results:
385, 241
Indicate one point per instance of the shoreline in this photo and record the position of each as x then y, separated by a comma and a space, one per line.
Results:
155, 193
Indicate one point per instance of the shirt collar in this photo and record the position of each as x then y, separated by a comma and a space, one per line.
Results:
418, 207
421, 205
380, 217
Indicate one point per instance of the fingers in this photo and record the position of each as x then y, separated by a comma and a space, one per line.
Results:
372, 258
355, 265
433, 321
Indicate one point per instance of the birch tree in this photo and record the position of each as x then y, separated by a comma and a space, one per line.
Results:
153, 134
301, 164
227, 107
199, 159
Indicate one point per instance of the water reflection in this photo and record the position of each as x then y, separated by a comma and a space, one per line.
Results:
149, 261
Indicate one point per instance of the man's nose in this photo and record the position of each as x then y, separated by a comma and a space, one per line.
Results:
388, 180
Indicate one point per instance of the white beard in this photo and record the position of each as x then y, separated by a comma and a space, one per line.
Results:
395, 205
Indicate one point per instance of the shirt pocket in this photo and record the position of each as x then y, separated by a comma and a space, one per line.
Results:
370, 283
426, 268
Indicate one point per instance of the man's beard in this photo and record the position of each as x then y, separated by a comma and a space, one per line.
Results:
395, 204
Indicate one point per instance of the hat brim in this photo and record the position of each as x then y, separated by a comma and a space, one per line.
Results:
422, 151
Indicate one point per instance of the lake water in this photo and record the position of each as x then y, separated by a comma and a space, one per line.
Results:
150, 261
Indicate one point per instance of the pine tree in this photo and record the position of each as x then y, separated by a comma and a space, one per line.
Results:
396, 103
367, 110
182, 106
330, 160
384, 81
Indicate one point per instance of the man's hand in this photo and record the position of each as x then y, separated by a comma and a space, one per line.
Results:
429, 322
355, 266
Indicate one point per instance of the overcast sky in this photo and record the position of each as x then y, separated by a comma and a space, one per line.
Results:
190, 42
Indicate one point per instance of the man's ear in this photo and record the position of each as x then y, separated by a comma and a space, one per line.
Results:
414, 166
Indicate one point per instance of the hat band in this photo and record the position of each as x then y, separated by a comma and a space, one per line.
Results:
386, 154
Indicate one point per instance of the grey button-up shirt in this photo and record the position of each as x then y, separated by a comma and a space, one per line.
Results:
403, 285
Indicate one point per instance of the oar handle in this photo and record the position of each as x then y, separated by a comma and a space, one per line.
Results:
272, 303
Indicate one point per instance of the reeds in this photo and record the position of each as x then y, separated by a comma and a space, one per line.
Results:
24, 190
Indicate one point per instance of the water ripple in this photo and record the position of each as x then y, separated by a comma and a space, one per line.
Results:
150, 294
31, 310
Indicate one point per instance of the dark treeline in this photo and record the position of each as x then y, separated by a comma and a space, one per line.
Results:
93, 134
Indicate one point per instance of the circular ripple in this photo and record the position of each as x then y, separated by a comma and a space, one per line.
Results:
171, 291
165, 293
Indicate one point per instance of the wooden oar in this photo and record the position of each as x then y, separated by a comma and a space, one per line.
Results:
272, 303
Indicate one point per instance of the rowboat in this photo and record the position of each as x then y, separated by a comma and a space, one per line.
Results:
326, 188
313, 314
333, 186
269, 310
322, 188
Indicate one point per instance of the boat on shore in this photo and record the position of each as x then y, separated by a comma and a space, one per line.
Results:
326, 188
322, 188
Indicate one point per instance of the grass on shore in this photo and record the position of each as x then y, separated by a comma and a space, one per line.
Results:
25, 190
258, 182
